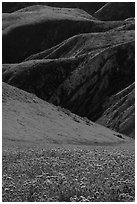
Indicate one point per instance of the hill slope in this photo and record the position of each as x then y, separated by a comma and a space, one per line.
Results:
113, 11
73, 60
120, 112
90, 7
96, 79
29, 32
83, 84
83, 44
28, 119
68, 102
41, 77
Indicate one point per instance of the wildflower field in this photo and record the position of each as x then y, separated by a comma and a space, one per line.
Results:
63, 174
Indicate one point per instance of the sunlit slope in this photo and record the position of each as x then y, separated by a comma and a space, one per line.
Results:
29, 119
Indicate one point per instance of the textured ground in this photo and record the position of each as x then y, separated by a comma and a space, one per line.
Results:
69, 174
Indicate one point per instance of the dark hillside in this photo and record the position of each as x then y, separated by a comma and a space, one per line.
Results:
96, 79
83, 44
83, 84
120, 112
115, 11
29, 32
41, 77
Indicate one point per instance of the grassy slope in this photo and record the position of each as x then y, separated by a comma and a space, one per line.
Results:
28, 119
52, 155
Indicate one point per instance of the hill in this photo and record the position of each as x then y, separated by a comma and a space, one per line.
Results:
115, 11
90, 7
83, 44
38, 28
22, 111
82, 84
68, 102
41, 77
96, 79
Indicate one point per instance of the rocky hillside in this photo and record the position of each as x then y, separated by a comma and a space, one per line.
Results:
68, 57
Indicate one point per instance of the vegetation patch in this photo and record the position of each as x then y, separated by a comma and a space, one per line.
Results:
63, 174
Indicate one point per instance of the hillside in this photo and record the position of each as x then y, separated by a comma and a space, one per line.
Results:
120, 112
31, 31
68, 102
115, 11
22, 111
96, 79
83, 44
41, 77
90, 7
82, 84
79, 68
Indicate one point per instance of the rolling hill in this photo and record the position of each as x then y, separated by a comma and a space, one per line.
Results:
68, 102
79, 68
82, 84
37, 28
